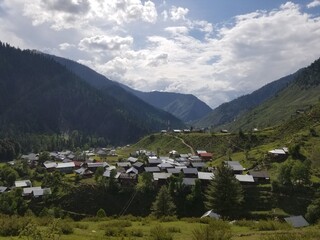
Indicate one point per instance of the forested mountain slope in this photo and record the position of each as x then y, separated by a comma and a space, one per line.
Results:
40, 96
227, 112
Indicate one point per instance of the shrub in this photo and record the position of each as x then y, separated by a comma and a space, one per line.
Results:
160, 233
65, 227
174, 229
11, 225
115, 232
136, 232
101, 213
215, 230
81, 225
269, 225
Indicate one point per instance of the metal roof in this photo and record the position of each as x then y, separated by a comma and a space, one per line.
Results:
297, 221
244, 178
205, 175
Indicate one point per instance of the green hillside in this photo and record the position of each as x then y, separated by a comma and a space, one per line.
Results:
38, 96
297, 98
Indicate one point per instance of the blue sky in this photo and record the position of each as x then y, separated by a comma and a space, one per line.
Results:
214, 49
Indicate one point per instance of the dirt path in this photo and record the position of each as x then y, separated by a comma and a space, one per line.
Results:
191, 149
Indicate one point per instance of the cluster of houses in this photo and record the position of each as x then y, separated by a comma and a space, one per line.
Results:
191, 167
126, 171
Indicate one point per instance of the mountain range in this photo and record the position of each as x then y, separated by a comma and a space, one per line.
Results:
270, 105
39, 95
186, 107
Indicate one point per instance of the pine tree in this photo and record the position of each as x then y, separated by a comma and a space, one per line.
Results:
163, 205
224, 194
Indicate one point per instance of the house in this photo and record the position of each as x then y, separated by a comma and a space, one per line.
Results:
161, 178
165, 165
190, 172
30, 157
235, 166
50, 166
128, 179
206, 156
28, 191
41, 192
152, 169
205, 176
95, 165
138, 166
132, 159
125, 165
174, 171
107, 174
3, 189
278, 154
198, 165
195, 158
23, 183
67, 167
189, 181
244, 179
260, 176
154, 161
85, 172
297, 221
211, 214
132, 170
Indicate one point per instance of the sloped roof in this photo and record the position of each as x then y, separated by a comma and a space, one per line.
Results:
235, 165
132, 170
297, 221
211, 214
66, 165
205, 175
244, 178
152, 169
23, 183
189, 181
161, 175
190, 171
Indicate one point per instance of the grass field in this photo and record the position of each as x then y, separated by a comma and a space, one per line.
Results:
132, 228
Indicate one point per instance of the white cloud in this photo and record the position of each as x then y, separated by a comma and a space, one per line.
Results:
178, 13
126, 41
313, 4
102, 43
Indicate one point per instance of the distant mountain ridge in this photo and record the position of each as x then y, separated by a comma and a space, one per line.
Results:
40, 96
301, 94
186, 107
229, 111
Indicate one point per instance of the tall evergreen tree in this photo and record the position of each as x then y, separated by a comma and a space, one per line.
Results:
163, 205
224, 194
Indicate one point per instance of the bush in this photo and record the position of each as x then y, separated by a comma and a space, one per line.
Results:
81, 225
269, 225
101, 213
215, 230
115, 232
136, 232
65, 227
116, 223
174, 229
160, 233
11, 225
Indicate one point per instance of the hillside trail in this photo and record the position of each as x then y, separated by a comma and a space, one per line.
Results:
186, 144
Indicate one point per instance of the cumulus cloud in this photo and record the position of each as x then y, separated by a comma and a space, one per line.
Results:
102, 43
127, 41
178, 13
315, 3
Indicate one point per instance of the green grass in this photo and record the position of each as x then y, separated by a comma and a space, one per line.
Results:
139, 228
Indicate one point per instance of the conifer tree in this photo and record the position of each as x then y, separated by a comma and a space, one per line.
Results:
224, 194
163, 205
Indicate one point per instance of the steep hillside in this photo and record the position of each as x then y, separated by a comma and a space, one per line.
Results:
297, 98
183, 106
186, 107
227, 112
38, 95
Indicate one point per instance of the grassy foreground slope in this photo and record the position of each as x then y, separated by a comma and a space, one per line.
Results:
132, 228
